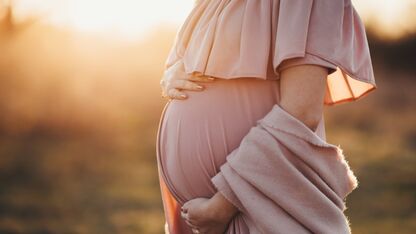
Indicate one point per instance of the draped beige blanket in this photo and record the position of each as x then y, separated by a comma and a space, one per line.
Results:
284, 178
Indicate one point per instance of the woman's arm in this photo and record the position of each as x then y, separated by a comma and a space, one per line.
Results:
302, 92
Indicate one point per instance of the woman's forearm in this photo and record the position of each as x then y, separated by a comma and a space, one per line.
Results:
222, 207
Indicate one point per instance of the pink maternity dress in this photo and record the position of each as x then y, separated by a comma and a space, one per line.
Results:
246, 44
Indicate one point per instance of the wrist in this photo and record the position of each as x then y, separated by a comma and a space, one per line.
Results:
221, 207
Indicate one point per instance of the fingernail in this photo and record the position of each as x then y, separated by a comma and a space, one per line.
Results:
183, 95
199, 87
211, 78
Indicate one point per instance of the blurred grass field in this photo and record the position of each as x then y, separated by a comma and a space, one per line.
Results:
78, 121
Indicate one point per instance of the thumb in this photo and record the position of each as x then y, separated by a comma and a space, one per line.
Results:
185, 207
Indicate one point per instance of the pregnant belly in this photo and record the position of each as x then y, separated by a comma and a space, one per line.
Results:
198, 133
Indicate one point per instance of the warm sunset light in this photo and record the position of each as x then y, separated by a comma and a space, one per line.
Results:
124, 17
130, 18
81, 106
392, 18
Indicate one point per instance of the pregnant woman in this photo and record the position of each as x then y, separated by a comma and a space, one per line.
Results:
244, 151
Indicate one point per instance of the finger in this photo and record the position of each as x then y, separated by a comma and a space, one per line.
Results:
187, 85
162, 82
164, 93
176, 94
196, 231
190, 224
184, 209
189, 221
185, 206
201, 78
184, 215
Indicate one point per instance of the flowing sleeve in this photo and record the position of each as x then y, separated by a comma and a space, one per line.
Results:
333, 32
217, 39
183, 35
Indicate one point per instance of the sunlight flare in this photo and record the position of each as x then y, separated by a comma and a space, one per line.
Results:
131, 18
127, 18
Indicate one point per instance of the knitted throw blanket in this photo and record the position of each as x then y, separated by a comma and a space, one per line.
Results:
284, 178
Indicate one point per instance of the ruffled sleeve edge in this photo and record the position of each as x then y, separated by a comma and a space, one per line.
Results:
351, 87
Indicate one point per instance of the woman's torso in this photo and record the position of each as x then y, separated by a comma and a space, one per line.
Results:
198, 133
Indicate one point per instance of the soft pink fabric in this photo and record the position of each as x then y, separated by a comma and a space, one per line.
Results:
196, 135
284, 178
251, 38
234, 138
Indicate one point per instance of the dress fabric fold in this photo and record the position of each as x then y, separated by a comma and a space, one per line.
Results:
286, 179
251, 38
234, 138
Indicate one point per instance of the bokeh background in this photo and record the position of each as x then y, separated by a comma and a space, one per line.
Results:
80, 104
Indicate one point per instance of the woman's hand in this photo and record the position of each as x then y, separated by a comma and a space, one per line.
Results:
208, 215
175, 79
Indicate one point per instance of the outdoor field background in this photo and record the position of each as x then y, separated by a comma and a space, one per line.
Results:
80, 105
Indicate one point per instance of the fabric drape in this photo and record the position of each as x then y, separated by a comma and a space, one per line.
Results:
252, 38
284, 178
